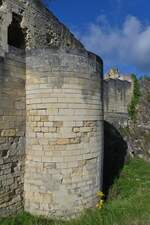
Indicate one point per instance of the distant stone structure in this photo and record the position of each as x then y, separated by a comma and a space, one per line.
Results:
114, 73
51, 115
118, 91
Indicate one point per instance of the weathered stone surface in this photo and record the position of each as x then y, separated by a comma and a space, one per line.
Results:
137, 135
41, 28
117, 97
70, 150
12, 132
63, 92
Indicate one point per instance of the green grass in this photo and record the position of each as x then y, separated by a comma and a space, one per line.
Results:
128, 203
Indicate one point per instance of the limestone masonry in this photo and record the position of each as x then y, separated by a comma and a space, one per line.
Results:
51, 115
117, 94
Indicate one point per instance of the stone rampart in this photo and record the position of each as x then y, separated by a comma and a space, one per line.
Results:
117, 97
63, 116
12, 131
64, 132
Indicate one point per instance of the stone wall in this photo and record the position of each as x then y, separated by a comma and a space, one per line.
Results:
41, 28
64, 114
117, 97
64, 132
12, 131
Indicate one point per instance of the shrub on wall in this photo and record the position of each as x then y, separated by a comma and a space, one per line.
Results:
132, 108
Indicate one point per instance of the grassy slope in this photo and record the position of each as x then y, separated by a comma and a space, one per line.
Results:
128, 204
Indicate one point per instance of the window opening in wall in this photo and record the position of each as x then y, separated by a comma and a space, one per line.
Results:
1, 2
16, 36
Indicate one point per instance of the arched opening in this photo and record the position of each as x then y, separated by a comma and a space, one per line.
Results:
16, 36
1, 2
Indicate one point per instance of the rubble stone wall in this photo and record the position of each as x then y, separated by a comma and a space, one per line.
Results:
12, 131
41, 28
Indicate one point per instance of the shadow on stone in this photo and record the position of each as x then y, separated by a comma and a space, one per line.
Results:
115, 151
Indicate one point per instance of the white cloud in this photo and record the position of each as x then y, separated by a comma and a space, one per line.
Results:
128, 44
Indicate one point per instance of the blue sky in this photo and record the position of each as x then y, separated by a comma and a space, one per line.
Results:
117, 30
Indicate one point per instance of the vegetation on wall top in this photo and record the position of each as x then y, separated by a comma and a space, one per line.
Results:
132, 108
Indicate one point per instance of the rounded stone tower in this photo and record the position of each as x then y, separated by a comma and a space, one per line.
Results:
64, 132
64, 111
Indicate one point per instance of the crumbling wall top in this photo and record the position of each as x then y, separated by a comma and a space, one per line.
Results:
41, 28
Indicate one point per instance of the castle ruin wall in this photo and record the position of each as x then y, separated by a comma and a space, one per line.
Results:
64, 132
12, 131
51, 115
117, 97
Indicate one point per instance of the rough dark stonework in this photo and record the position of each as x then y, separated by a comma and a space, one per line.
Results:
12, 131
137, 135
40, 27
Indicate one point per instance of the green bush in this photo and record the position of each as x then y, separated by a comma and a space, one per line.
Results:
132, 108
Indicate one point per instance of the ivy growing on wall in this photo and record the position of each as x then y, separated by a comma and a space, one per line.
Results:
132, 108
